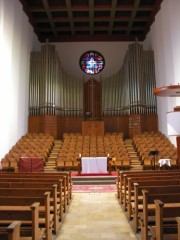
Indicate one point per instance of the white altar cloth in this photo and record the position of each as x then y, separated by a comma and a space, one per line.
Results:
94, 164
164, 161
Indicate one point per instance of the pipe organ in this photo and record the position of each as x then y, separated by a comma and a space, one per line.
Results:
52, 92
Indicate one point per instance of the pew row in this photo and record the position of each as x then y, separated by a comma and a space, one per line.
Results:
56, 199
165, 212
122, 182
29, 218
129, 195
155, 187
147, 216
23, 198
47, 182
65, 176
11, 232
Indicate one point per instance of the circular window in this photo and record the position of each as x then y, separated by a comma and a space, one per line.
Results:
92, 62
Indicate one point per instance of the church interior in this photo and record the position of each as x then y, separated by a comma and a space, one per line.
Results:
89, 88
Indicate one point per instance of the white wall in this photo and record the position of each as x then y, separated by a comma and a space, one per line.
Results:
17, 40
113, 52
164, 39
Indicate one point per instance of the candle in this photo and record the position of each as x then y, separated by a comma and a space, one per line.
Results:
80, 155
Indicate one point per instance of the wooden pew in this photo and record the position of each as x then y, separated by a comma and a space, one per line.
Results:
66, 182
47, 219
127, 179
144, 181
28, 215
122, 175
63, 175
11, 232
147, 216
119, 182
162, 230
61, 199
153, 187
178, 223
55, 202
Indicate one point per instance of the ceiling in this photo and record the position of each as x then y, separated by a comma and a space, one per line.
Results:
91, 20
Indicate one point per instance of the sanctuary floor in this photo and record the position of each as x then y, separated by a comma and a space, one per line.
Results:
95, 216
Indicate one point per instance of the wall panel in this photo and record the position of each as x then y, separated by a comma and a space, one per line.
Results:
56, 125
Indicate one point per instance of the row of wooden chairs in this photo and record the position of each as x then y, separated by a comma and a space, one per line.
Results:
73, 163
30, 145
150, 163
76, 146
146, 143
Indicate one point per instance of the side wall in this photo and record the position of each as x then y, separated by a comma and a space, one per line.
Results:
164, 39
17, 40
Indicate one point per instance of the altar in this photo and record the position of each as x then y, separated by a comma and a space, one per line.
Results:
94, 165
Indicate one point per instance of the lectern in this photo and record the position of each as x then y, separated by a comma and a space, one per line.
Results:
154, 153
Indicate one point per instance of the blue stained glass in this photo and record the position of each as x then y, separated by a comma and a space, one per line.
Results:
92, 62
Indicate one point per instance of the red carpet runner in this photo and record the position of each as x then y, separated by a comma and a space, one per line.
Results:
93, 188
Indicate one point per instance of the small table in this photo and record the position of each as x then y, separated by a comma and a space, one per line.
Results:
165, 161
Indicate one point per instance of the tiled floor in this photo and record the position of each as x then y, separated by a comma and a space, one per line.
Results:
95, 216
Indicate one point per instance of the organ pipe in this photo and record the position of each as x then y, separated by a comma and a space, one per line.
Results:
130, 91
51, 90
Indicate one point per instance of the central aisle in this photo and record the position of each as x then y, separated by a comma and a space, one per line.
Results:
95, 216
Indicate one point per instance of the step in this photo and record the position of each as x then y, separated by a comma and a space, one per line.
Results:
52, 154
94, 180
50, 163
135, 161
49, 168
133, 156
55, 150
50, 159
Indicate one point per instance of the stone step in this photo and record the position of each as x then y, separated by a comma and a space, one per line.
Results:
136, 169
50, 164
55, 151
58, 141
135, 162
138, 165
94, 180
133, 156
52, 156
52, 159
48, 168
135, 159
